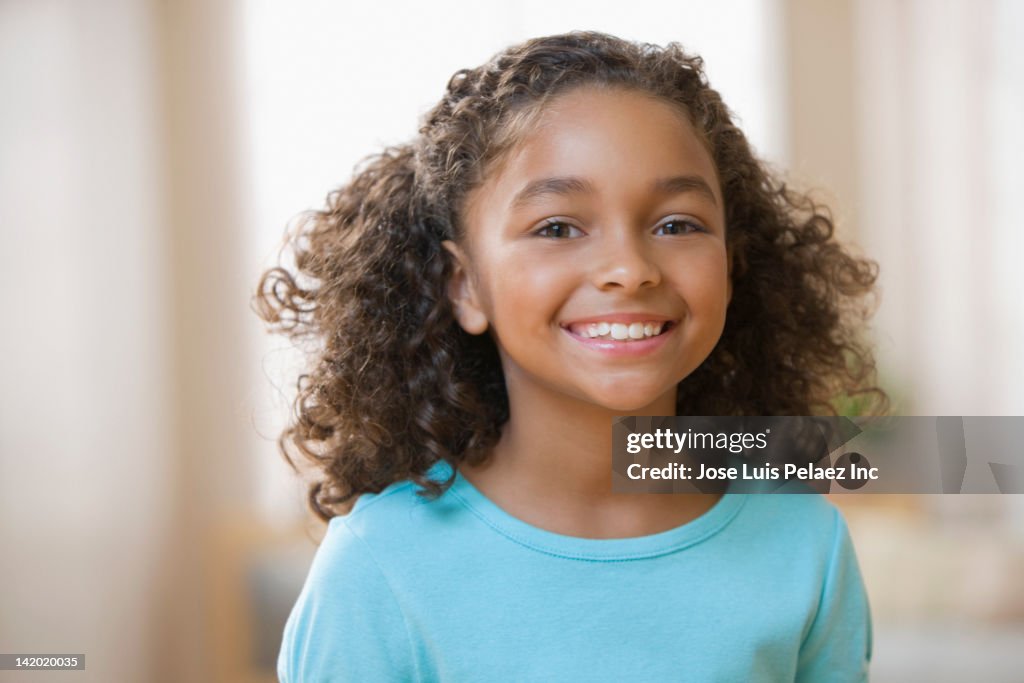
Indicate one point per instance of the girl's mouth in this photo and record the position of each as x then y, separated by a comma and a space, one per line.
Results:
620, 339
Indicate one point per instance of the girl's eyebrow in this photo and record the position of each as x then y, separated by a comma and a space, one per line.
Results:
567, 185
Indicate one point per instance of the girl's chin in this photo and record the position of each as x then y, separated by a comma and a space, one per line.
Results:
635, 403
636, 409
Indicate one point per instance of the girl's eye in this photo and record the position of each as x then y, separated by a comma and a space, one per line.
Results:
557, 230
679, 227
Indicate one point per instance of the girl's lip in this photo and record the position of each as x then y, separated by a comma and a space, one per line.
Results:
612, 347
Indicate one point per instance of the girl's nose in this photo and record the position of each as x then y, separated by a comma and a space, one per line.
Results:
626, 264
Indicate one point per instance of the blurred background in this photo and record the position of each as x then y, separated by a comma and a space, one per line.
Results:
152, 154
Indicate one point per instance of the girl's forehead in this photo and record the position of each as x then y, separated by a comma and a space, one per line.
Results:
610, 135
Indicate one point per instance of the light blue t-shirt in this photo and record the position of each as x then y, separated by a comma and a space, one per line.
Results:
761, 587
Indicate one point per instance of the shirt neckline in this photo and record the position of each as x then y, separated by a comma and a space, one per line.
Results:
597, 549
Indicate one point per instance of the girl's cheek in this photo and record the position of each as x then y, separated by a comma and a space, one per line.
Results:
704, 286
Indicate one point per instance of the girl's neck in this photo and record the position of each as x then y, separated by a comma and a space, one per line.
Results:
563, 445
552, 467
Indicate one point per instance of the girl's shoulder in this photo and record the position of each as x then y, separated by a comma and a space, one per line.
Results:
396, 515
809, 524
346, 621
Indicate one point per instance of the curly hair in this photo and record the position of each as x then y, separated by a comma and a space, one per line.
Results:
395, 384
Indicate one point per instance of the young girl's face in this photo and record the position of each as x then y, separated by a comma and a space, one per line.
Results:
606, 221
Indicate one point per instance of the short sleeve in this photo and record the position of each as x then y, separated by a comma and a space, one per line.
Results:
346, 624
837, 647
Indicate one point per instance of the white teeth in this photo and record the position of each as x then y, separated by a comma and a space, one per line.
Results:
619, 331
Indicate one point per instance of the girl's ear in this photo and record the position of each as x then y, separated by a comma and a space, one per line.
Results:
462, 292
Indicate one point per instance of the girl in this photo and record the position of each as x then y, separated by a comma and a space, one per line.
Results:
578, 231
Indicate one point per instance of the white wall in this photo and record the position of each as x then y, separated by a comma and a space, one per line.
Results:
84, 446
940, 105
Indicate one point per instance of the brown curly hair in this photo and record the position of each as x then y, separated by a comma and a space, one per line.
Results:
396, 384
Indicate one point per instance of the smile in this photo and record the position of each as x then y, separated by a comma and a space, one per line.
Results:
618, 338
